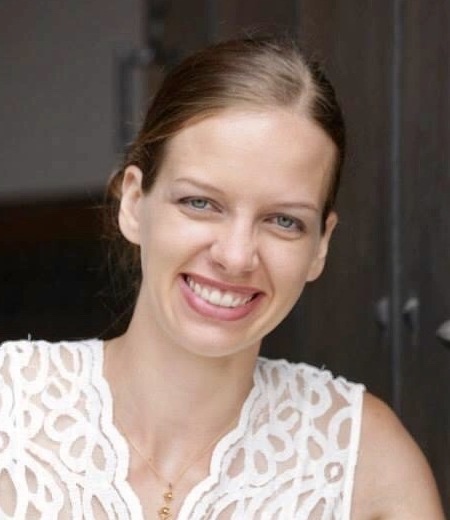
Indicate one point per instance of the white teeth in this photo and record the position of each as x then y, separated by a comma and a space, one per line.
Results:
216, 296
236, 302
227, 300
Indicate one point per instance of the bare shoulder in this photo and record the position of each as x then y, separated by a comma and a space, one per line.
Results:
393, 479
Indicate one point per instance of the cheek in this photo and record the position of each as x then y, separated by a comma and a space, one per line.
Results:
291, 264
168, 241
290, 268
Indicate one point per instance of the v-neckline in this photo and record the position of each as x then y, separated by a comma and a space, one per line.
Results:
121, 445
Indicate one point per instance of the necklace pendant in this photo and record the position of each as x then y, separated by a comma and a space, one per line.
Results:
165, 513
168, 496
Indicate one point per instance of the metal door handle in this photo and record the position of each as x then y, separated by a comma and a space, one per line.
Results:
443, 333
411, 317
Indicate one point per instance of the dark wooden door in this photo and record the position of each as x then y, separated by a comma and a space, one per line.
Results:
425, 237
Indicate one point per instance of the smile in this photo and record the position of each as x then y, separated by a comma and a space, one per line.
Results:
217, 297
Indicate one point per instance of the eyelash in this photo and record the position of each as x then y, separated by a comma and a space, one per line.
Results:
296, 225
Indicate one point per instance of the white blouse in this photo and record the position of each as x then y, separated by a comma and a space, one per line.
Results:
292, 455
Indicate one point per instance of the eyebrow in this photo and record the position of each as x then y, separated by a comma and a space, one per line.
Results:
198, 184
287, 205
299, 205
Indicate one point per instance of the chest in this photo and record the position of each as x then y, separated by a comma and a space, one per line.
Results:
245, 485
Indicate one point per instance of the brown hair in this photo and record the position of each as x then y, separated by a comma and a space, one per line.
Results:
256, 72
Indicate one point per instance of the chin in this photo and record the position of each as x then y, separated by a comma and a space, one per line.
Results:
218, 344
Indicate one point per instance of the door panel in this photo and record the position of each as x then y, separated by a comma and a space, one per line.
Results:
426, 227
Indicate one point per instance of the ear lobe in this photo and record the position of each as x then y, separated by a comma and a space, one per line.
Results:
129, 218
321, 255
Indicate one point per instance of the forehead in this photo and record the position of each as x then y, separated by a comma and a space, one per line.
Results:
238, 130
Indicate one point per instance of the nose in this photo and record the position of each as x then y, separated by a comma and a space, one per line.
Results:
235, 250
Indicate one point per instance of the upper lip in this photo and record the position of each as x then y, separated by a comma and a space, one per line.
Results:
245, 290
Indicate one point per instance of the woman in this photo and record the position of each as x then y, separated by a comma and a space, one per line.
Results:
227, 195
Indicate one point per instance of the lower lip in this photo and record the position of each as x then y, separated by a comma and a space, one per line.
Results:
209, 310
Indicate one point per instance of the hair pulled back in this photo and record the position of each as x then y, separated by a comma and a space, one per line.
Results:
260, 73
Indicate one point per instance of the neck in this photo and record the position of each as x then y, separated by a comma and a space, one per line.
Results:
172, 401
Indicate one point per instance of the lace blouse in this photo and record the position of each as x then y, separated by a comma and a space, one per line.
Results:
292, 455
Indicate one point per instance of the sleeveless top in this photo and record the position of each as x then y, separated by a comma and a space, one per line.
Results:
291, 456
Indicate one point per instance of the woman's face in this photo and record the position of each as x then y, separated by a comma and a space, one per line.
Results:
231, 230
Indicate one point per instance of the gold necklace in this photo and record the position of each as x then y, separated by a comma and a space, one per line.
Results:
165, 512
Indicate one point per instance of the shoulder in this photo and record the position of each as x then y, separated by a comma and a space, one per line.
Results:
393, 479
308, 379
27, 347
24, 361
38, 377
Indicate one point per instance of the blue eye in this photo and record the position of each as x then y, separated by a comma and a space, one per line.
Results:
286, 222
198, 203
195, 203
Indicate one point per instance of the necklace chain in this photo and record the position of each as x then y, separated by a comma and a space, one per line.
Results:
165, 512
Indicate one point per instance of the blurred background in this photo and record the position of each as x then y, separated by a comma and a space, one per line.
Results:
75, 78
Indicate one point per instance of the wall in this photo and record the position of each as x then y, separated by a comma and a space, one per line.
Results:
57, 92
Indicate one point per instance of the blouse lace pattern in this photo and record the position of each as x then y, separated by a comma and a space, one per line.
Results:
292, 455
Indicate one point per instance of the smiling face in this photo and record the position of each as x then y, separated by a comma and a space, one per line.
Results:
231, 230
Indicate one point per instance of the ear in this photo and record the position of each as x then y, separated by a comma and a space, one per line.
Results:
129, 213
318, 262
